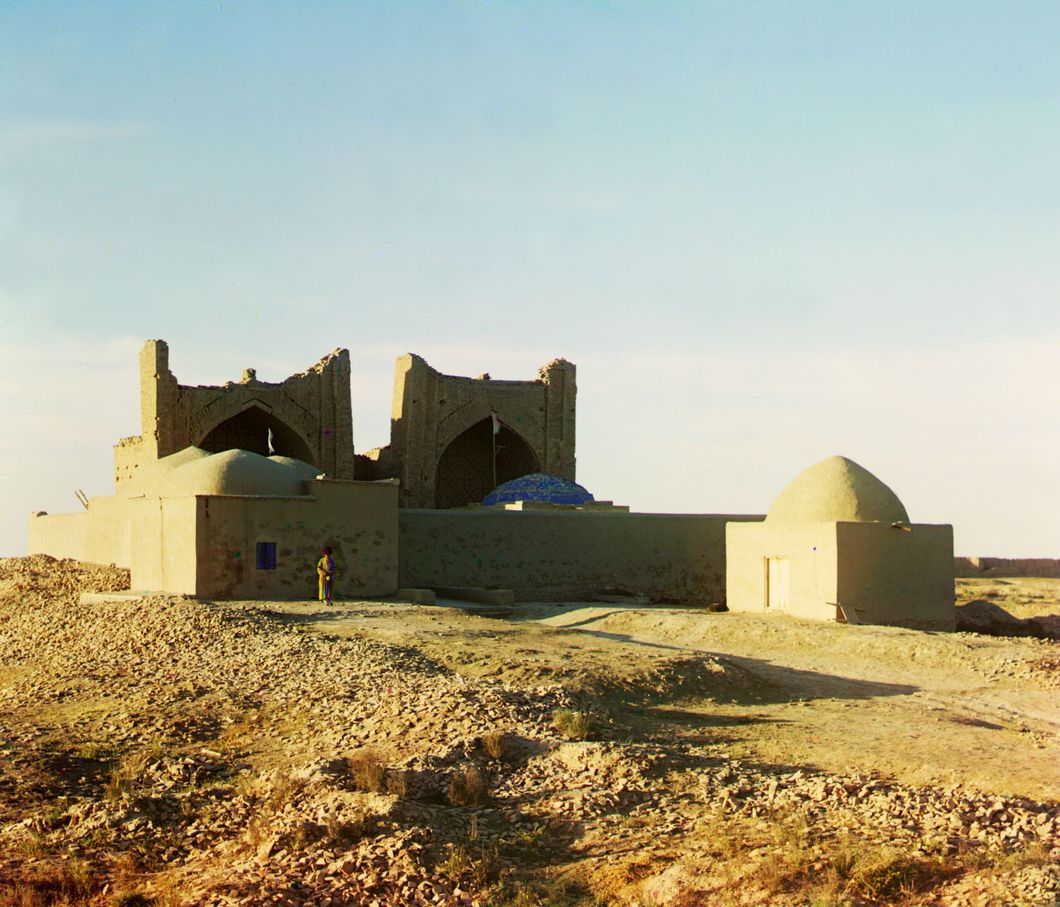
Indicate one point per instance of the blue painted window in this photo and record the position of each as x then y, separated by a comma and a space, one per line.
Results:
266, 555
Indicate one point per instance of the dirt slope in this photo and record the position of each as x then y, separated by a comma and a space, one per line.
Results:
170, 751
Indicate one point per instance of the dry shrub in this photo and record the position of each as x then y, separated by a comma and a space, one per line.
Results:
94, 751
166, 891
283, 791
467, 787
119, 785
888, 873
530, 843
32, 847
553, 892
367, 771
347, 830
1035, 854
495, 744
397, 783
474, 866
127, 867
246, 785
257, 831
304, 834
573, 724
457, 863
240, 732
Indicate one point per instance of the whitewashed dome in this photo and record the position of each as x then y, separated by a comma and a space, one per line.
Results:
837, 490
151, 477
238, 472
306, 470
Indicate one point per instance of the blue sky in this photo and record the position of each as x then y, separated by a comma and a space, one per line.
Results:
765, 232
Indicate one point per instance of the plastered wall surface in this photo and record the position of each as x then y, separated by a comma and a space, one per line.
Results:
109, 536
430, 411
357, 519
60, 535
309, 413
163, 544
881, 574
812, 555
897, 577
99, 535
549, 556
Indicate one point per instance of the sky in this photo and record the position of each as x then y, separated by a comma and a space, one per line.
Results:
765, 232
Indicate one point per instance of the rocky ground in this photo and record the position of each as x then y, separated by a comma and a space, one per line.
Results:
167, 751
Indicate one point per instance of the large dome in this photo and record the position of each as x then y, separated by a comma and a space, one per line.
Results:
237, 472
539, 486
837, 490
151, 478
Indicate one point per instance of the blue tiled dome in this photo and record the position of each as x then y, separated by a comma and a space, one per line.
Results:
539, 486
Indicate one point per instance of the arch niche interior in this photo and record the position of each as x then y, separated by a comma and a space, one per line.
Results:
249, 430
465, 470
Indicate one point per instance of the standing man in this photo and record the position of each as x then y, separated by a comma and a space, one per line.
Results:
326, 575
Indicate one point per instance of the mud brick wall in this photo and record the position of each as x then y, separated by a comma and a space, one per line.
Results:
548, 556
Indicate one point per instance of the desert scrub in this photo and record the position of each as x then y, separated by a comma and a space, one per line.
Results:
31, 847
367, 772
573, 724
347, 829
397, 783
529, 843
466, 863
467, 787
285, 787
119, 786
891, 873
94, 751
495, 745
547, 892
257, 831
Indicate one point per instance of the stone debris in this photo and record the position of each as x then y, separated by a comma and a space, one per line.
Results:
245, 760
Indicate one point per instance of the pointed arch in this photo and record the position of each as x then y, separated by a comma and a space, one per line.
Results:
465, 473
249, 430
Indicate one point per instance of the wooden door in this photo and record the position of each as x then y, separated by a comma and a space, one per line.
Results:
777, 578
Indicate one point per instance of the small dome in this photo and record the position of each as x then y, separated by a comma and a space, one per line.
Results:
837, 490
150, 478
187, 455
539, 486
236, 472
306, 470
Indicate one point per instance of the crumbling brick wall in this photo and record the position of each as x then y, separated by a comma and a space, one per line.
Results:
436, 419
307, 416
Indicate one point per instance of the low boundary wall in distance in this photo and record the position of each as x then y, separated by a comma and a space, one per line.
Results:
1006, 566
550, 556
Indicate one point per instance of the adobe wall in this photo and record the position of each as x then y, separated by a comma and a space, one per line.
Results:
60, 535
310, 414
1006, 566
357, 519
812, 578
110, 535
550, 556
430, 410
163, 544
99, 535
895, 577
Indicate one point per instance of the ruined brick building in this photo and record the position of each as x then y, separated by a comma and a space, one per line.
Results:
230, 492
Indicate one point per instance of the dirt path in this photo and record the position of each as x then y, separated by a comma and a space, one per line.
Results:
921, 707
